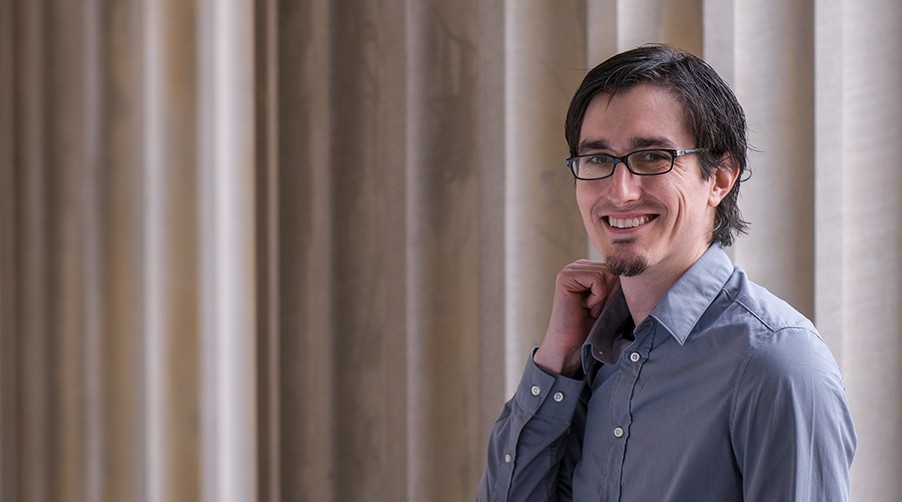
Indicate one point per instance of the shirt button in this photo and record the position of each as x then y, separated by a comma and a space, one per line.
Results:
618, 432
508, 458
536, 390
635, 356
558, 396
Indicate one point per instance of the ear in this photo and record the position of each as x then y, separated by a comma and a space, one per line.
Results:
724, 177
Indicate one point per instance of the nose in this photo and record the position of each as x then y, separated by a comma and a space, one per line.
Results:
623, 185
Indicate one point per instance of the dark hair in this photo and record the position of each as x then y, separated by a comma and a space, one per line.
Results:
711, 111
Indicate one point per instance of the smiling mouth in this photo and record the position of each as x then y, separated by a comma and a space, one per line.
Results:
628, 222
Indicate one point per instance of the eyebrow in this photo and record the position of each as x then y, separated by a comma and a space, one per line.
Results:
635, 143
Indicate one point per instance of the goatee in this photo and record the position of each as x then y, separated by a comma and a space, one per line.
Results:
626, 267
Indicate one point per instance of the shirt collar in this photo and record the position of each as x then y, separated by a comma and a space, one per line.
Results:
678, 312
685, 302
600, 341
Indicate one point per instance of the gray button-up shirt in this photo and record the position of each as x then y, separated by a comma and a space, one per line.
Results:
724, 393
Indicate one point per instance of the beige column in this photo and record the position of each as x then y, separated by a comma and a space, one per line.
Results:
719, 41
8, 342
830, 292
602, 38
454, 147
227, 165
367, 176
355, 211
676, 22
113, 253
492, 289
72, 337
170, 265
31, 296
69, 317
267, 239
545, 61
303, 253
872, 239
774, 80
300, 250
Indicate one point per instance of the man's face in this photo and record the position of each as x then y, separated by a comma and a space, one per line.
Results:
645, 223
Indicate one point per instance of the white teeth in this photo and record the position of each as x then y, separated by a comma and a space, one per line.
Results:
627, 222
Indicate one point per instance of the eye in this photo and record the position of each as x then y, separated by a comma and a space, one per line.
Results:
654, 156
597, 160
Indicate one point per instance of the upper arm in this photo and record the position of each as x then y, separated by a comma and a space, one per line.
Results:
791, 429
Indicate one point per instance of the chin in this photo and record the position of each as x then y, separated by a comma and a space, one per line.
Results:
626, 266
624, 262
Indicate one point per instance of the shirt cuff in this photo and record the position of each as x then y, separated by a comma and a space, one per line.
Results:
548, 396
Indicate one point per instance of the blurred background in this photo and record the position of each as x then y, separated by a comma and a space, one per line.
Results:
267, 250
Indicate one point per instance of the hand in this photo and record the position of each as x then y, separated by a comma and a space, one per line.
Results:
582, 290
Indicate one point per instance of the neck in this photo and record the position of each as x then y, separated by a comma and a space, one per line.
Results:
644, 291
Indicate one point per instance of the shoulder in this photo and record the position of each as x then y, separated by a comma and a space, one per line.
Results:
762, 306
789, 356
783, 344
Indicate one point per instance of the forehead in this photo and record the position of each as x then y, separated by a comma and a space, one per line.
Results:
634, 117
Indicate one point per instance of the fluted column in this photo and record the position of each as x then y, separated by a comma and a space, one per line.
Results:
453, 146
545, 61
226, 171
774, 80
368, 214
28, 354
676, 22
8, 341
300, 249
105, 197
303, 252
170, 266
872, 239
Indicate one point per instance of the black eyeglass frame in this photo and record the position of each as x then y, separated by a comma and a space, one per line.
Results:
674, 153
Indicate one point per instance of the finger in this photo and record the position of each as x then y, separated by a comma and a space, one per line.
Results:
602, 289
587, 265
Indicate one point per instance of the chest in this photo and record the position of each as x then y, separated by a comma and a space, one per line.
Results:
658, 423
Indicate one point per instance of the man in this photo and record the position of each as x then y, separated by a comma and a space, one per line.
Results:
665, 374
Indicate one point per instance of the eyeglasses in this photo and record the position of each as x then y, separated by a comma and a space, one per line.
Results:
598, 166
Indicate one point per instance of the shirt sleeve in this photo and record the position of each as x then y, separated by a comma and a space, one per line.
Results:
530, 439
791, 429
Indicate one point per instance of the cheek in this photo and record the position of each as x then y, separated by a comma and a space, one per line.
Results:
689, 203
695, 210
585, 200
